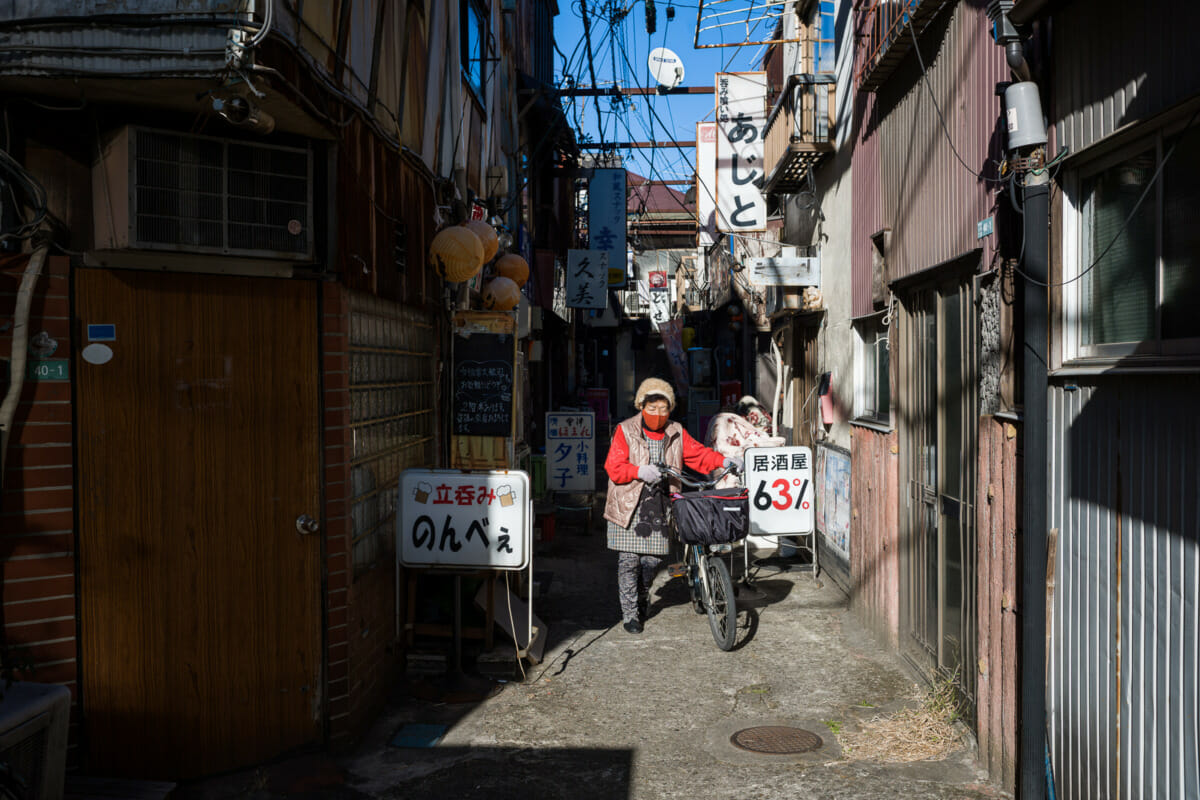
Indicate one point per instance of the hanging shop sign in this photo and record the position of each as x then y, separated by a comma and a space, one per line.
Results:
571, 451
479, 520
660, 298
606, 219
780, 483
785, 271
741, 123
587, 278
706, 184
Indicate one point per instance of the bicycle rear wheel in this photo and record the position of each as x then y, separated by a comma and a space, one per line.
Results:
721, 606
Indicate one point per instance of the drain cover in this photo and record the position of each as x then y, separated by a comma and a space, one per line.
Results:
776, 740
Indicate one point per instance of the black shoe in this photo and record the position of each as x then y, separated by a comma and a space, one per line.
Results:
633, 626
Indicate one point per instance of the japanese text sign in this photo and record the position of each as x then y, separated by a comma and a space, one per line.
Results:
479, 520
571, 451
706, 183
587, 278
741, 125
779, 481
606, 216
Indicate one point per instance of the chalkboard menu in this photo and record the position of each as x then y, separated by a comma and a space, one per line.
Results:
483, 384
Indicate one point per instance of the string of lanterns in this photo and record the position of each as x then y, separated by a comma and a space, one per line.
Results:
459, 252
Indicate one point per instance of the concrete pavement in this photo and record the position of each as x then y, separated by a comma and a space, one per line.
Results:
615, 716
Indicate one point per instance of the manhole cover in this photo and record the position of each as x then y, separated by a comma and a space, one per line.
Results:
776, 740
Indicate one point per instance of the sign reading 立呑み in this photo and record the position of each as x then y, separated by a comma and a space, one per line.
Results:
478, 520
779, 481
571, 451
741, 124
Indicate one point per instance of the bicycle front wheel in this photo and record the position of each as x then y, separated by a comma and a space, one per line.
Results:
721, 606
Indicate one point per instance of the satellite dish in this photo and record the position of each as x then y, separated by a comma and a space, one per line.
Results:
666, 67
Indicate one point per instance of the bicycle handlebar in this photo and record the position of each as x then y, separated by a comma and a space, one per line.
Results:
686, 481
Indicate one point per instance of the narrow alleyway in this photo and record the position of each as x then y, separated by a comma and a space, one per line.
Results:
612, 715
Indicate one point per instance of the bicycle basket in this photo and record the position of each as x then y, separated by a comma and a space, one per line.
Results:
717, 516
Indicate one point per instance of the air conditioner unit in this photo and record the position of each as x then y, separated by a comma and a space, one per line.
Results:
167, 191
33, 737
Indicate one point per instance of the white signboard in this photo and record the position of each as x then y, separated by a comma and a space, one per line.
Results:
741, 121
481, 520
606, 218
785, 271
780, 483
571, 451
587, 278
706, 183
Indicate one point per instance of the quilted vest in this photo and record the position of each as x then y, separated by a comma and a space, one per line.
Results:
623, 498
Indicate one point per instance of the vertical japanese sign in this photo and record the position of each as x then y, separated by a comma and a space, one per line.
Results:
706, 183
456, 519
587, 278
606, 220
741, 120
660, 298
672, 338
571, 451
780, 483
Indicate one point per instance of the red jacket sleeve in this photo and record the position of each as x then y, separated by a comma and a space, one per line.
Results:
617, 464
698, 457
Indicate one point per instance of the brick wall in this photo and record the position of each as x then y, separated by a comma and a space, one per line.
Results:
37, 510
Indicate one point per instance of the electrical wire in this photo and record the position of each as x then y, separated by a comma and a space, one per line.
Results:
925, 77
1124, 225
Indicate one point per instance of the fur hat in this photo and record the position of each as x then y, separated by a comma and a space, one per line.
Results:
652, 386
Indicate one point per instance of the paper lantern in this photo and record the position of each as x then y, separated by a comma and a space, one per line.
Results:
487, 236
513, 267
501, 294
456, 253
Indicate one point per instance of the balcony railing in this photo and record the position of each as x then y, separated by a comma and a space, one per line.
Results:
885, 38
800, 131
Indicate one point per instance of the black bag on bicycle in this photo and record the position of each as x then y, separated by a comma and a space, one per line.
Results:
716, 516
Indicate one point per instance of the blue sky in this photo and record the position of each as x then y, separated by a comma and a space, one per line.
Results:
620, 51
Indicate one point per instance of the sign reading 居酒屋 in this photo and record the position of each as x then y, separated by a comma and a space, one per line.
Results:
779, 481
571, 451
479, 520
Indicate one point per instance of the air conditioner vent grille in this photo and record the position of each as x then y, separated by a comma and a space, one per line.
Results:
201, 194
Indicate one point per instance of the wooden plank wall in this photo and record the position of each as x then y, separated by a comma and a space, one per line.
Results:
874, 531
998, 508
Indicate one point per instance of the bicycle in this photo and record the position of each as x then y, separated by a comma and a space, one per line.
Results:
706, 522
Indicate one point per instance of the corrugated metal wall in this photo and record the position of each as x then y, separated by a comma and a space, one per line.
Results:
998, 517
1122, 62
868, 213
1124, 673
930, 200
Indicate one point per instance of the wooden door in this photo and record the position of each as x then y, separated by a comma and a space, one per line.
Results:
200, 601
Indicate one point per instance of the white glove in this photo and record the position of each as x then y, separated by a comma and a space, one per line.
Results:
734, 463
649, 473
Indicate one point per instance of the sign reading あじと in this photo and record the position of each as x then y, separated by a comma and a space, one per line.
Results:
464, 519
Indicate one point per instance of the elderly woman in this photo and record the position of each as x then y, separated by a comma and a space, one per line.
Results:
636, 505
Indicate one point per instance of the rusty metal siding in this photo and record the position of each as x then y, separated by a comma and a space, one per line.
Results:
874, 531
868, 214
998, 517
1121, 63
1123, 693
930, 200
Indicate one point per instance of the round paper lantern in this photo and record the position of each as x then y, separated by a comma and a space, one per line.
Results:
501, 294
513, 267
487, 236
456, 253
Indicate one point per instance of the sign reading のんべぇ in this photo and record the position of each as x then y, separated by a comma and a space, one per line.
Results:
456, 519
571, 451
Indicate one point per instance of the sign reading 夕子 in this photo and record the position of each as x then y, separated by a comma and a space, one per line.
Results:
464, 519
741, 125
